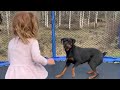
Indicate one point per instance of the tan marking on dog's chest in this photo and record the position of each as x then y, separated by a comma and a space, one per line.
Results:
71, 58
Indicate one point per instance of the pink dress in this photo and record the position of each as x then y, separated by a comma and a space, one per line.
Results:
25, 60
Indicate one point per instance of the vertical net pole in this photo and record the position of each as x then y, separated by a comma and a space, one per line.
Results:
53, 35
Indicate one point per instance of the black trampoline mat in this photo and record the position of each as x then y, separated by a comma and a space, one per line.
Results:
106, 71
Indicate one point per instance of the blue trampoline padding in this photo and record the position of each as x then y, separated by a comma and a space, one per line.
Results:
105, 59
111, 59
4, 63
63, 58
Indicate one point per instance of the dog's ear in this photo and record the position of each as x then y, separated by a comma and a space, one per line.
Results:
73, 41
62, 40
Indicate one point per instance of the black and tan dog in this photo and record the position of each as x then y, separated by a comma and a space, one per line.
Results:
77, 56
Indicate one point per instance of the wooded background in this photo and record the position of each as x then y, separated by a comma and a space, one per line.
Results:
98, 29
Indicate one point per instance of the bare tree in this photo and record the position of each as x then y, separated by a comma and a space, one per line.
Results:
88, 21
70, 19
80, 19
83, 18
106, 19
8, 21
46, 18
67, 12
63, 13
96, 18
115, 13
59, 18
42, 16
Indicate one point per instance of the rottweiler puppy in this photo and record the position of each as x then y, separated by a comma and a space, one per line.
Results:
77, 55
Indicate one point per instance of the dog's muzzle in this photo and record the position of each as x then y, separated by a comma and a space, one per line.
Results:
67, 47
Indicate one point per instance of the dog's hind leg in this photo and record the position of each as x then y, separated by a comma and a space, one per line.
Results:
93, 66
95, 74
63, 71
94, 71
90, 72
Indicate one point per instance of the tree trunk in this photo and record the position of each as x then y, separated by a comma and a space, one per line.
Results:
63, 13
8, 21
106, 19
88, 19
83, 19
59, 18
80, 19
42, 16
47, 20
70, 19
96, 17
115, 15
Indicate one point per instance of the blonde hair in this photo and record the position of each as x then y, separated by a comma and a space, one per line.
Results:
25, 25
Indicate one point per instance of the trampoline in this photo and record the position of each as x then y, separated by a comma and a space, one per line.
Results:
106, 70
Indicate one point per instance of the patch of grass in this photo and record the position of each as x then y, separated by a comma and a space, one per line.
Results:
3, 46
114, 53
3, 58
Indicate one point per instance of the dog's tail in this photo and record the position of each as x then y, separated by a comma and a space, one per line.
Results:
104, 53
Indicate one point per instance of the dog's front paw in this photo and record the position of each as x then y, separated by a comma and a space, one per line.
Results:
58, 76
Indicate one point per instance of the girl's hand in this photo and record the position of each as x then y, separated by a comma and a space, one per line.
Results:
51, 61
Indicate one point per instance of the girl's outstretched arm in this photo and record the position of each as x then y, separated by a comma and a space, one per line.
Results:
36, 54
